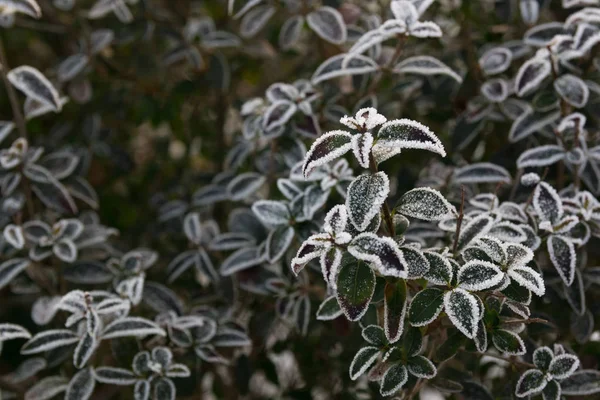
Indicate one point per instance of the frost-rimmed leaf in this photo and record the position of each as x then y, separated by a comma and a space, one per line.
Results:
329, 309
541, 156
463, 310
531, 74
394, 311
562, 366
529, 279
542, 356
479, 275
355, 288
483, 172
71, 66
363, 359
425, 203
131, 326
366, 194
290, 31
11, 268
47, 388
531, 382
164, 389
425, 65
581, 383
508, 342
563, 257
48, 340
35, 85
425, 306
531, 121
382, 252
255, 20
421, 367
508, 232
244, 185
476, 228
440, 269
343, 65
141, 390
495, 90
81, 385
496, 60
572, 89
241, 259
115, 376
361, 147
407, 134
84, 350
325, 149
271, 212
543, 34
329, 24
12, 331
530, 11
278, 242
393, 379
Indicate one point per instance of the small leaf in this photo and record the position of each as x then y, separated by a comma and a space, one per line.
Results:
581, 383
463, 310
395, 302
542, 357
48, 340
425, 65
81, 385
421, 367
131, 326
374, 335
278, 242
541, 156
531, 121
344, 65
531, 74
329, 24
563, 257
271, 212
393, 379
366, 194
325, 149
440, 269
508, 342
496, 60
329, 309
13, 331
481, 173
115, 376
255, 20
355, 288
426, 204
562, 366
35, 85
47, 388
382, 252
425, 306
531, 382
363, 359
11, 268
572, 89
408, 134
479, 275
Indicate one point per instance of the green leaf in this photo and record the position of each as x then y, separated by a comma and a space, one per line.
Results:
394, 310
393, 379
531, 382
355, 287
329, 309
421, 367
508, 342
412, 342
374, 335
363, 359
581, 383
425, 306
518, 293
440, 269
426, 204
542, 357
552, 391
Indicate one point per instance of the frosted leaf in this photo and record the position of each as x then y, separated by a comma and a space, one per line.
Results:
81, 385
310, 249
528, 278
47, 388
290, 32
508, 232
517, 255
48, 340
530, 11
329, 309
71, 66
408, 134
495, 90
562, 366
405, 11
330, 263
244, 185
254, 20
375, 335
421, 367
426, 204
572, 89
329, 24
35, 85
425, 65
481, 173
531, 74
141, 390
479, 275
12, 331
11, 268
271, 212
325, 149
278, 242
417, 263
586, 37
366, 194
355, 287
588, 14
241, 259
394, 378
463, 310
131, 326
164, 389
531, 121
336, 220
425, 29
363, 359
288, 188
581, 383
425, 306
394, 310
508, 343
33, 108
230, 241
278, 114
543, 34
382, 252
563, 257
474, 229
542, 357
540, 156
512, 212
84, 350
496, 60
115, 376
547, 203
361, 147
344, 65
365, 119
485, 201
440, 270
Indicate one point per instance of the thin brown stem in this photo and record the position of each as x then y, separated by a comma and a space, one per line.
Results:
460, 219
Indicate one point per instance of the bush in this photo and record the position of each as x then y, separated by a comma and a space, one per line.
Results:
299, 200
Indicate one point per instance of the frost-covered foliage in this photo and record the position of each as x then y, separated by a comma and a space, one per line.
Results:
299, 199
